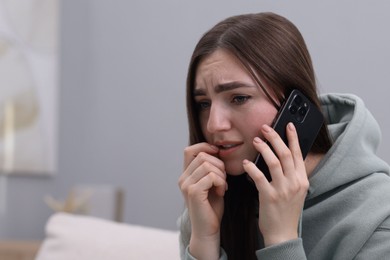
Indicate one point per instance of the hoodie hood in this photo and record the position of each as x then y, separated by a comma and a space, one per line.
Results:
356, 136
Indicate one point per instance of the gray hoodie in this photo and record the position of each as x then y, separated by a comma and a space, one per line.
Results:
347, 209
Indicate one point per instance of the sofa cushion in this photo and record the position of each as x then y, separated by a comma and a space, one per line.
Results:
80, 237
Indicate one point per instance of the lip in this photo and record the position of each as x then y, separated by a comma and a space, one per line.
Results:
224, 152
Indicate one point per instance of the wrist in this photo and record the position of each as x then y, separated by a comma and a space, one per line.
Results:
274, 239
205, 247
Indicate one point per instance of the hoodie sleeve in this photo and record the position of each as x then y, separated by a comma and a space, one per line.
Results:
184, 238
292, 249
377, 247
188, 256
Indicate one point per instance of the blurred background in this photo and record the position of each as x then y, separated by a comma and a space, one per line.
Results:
121, 97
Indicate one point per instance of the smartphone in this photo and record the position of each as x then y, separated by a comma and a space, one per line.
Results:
307, 119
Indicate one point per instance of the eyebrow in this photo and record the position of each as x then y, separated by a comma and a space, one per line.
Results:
223, 88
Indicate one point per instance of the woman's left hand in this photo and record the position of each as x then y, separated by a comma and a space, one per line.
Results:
282, 199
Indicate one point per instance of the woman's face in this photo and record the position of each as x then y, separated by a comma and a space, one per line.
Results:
232, 108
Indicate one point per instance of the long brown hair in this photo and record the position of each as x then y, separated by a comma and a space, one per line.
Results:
274, 52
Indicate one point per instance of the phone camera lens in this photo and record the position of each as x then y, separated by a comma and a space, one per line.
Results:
298, 100
302, 111
293, 109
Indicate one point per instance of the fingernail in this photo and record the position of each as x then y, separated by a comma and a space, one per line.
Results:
257, 140
267, 128
245, 161
215, 148
291, 126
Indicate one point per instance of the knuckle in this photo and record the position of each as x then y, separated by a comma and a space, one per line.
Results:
206, 165
202, 156
274, 163
273, 197
180, 182
183, 177
294, 187
212, 175
191, 191
188, 150
299, 186
220, 165
285, 154
184, 190
209, 177
305, 185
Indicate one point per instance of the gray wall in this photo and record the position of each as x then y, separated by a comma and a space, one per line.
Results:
122, 111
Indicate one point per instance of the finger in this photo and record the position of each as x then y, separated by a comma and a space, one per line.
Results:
257, 176
294, 146
198, 169
203, 157
194, 156
220, 186
203, 170
270, 159
204, 163
281, 150
204, 185
192, 151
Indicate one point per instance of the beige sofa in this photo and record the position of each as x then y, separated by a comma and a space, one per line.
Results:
80, 238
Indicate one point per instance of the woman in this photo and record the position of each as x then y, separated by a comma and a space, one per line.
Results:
239, 75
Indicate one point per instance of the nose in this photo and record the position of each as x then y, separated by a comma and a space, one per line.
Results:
219, 119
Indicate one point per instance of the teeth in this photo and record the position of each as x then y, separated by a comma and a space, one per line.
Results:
227, 146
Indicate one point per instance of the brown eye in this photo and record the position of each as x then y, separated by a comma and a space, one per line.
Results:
239, 100
203, 105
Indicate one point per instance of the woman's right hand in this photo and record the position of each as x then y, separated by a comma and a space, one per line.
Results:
203, 185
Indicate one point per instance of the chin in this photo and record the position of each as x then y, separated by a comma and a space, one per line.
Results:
234, 166
234, 170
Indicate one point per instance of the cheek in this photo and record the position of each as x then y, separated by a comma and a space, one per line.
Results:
255, 119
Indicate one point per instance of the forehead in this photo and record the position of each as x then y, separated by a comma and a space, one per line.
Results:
220, 67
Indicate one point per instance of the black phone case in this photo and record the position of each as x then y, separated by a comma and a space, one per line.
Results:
306, 118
